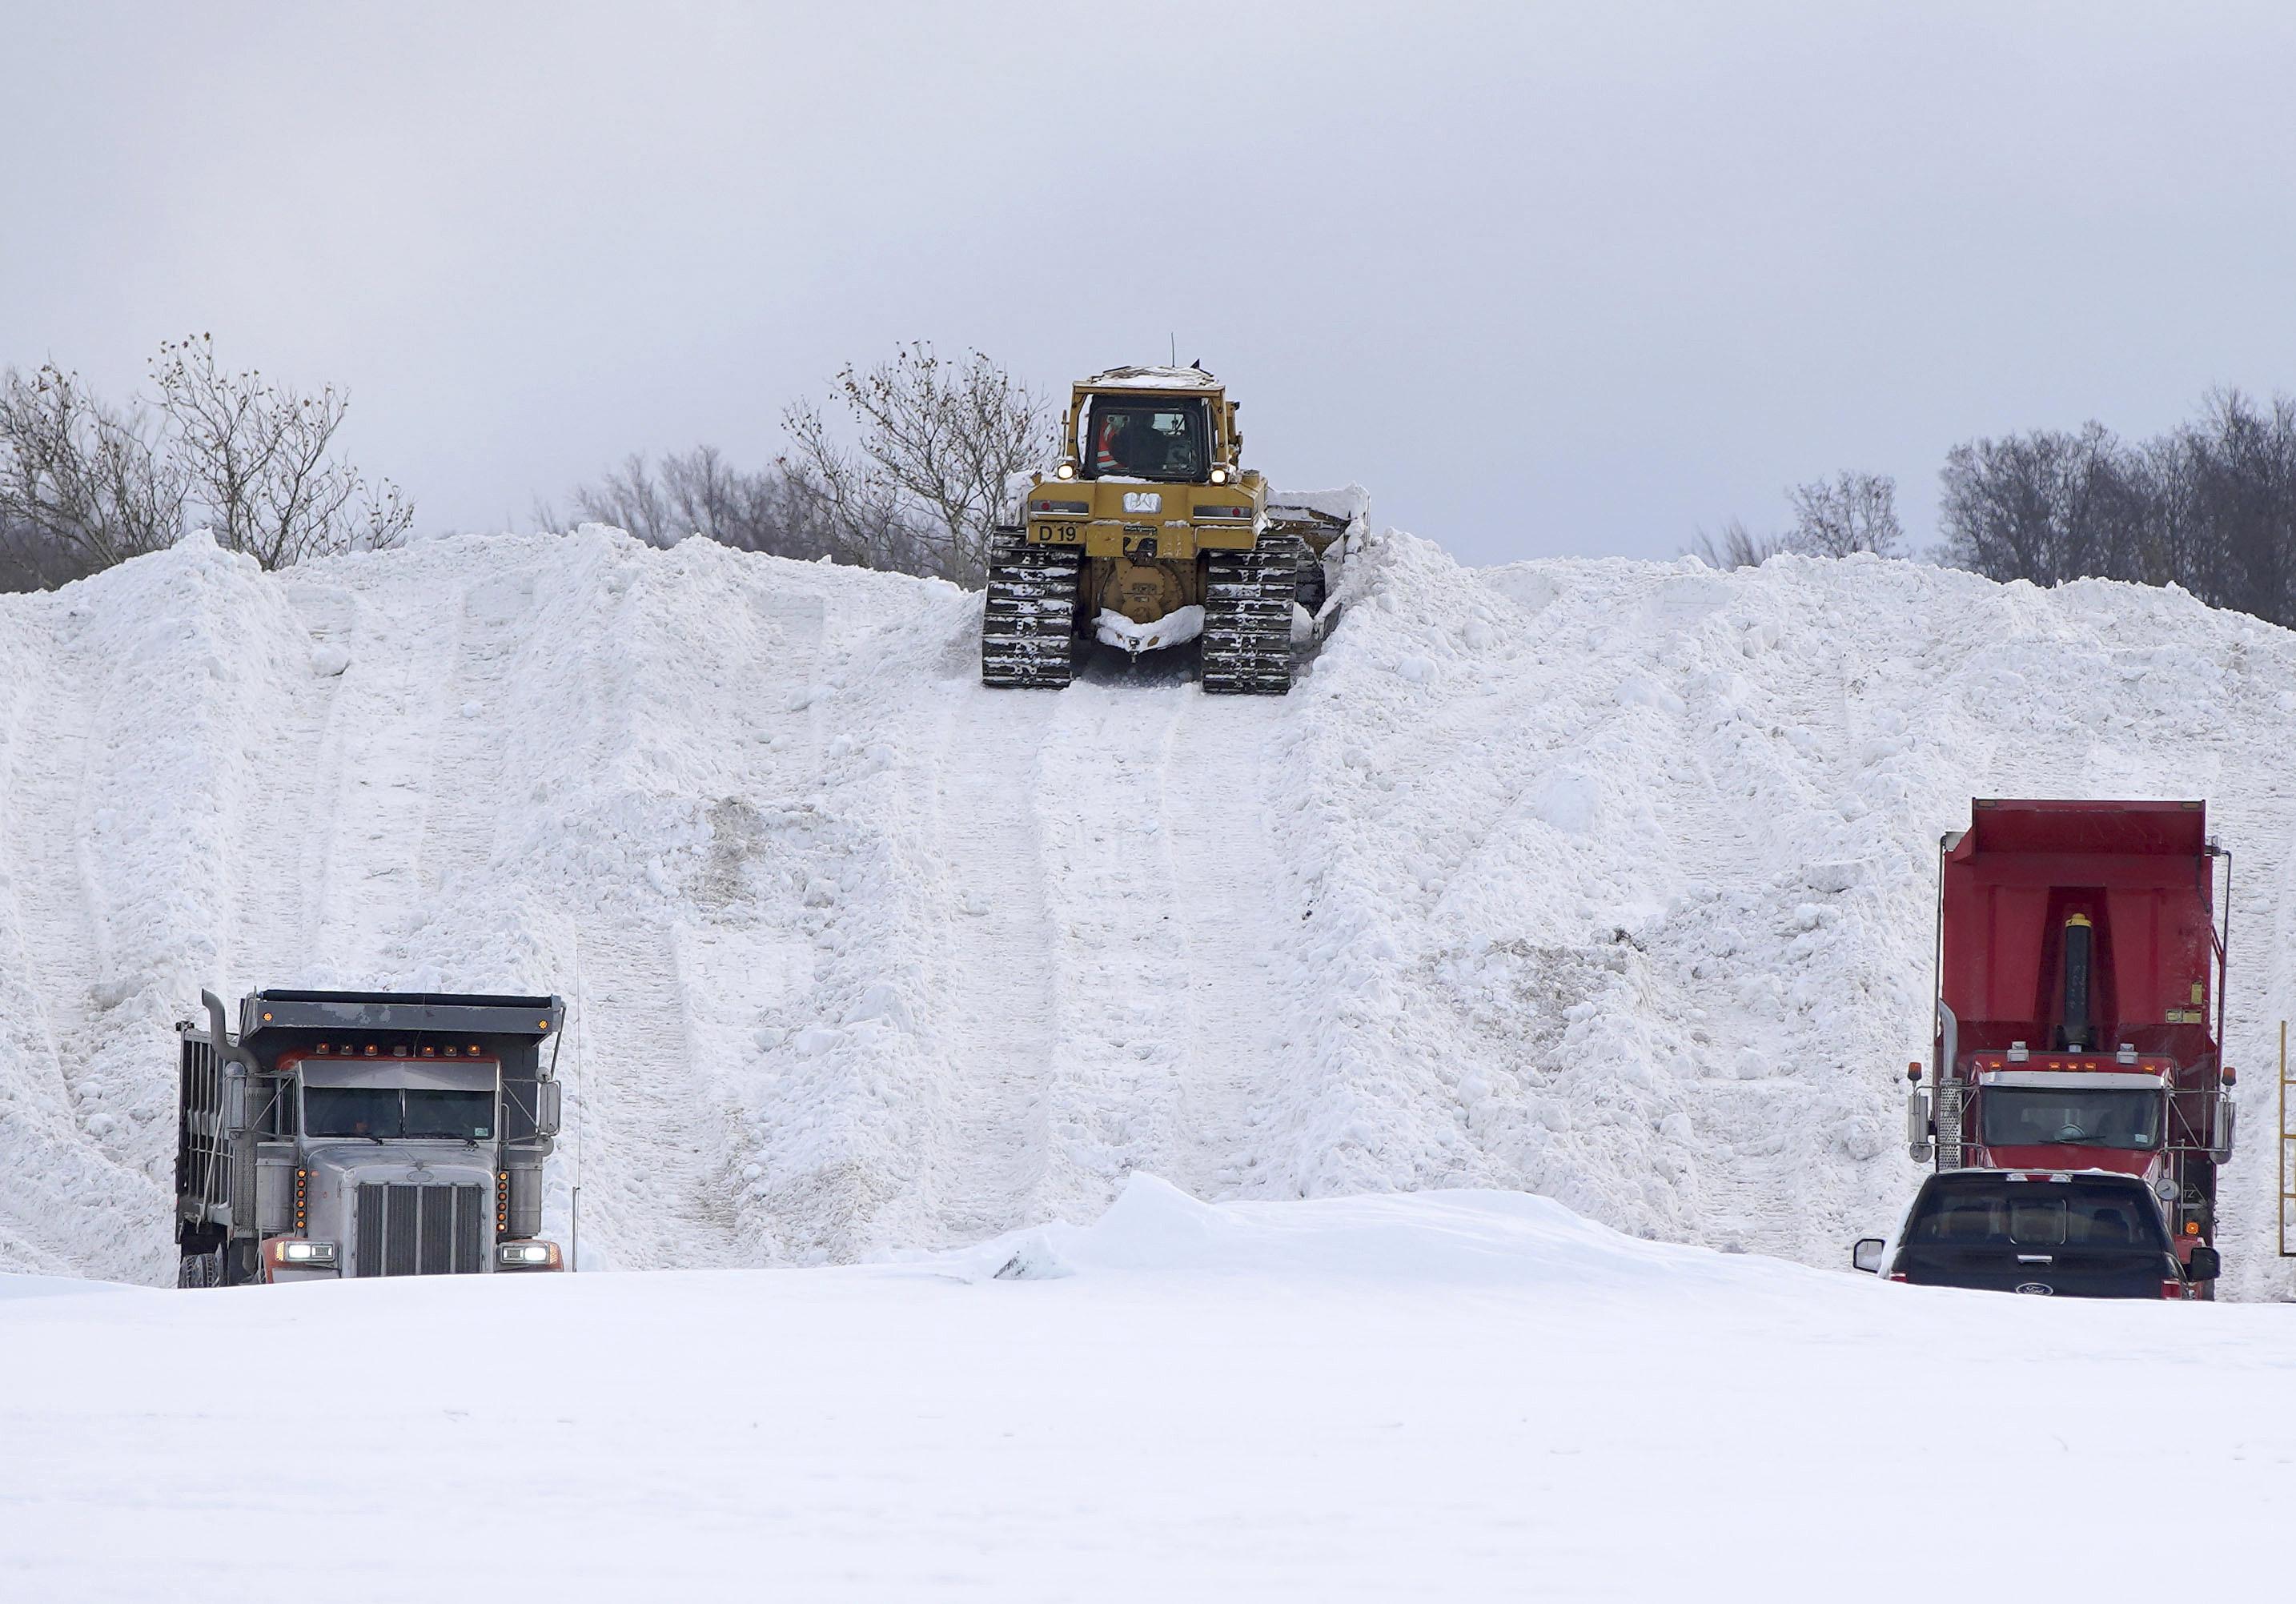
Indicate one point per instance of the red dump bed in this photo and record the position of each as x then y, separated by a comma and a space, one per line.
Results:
2134, 880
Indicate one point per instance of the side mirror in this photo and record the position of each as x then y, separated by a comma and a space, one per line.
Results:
546, 1113
2207, 1265
2221, 1148
1867, 1255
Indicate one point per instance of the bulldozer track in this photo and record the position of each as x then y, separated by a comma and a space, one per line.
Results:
1247, 601
1027, 626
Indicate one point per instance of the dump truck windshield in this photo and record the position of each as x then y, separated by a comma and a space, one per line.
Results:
1984, 1210
2040, 1117
467, 1115
389, 1112
1144, 440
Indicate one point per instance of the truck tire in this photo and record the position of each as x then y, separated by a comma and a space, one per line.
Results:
202, 1268
242, 1264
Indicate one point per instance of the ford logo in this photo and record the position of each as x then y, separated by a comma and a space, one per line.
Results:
2038, 1288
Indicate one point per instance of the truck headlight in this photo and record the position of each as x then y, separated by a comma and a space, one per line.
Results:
523, 1254
1219, 476
1065, 470
308, 1252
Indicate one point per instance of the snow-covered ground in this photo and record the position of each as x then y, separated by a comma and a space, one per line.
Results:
1455, 1396
1605, 881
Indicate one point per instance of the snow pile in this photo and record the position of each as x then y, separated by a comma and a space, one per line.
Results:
1605, 881
1396, 1398
1457, 1239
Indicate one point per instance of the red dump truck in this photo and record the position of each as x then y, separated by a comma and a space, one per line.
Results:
2080, 1005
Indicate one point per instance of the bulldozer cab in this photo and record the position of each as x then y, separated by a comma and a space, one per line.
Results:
1145, 438
1165, 425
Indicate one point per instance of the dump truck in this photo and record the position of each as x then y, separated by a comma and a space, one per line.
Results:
365, 1134
2079, 1009
1148, 532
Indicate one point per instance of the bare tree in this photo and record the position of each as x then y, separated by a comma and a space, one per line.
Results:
1737, 546
256, 456
2211, 506
30, 560
1832, 517
698, 493
1847, 513
81, 486
922, 483
631, 499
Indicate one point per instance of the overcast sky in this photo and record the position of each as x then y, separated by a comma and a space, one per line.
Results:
1546, 279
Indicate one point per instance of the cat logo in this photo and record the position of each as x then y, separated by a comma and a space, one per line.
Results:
2038, 1288
1144, 500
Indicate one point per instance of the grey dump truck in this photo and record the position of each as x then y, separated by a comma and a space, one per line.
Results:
345, 1133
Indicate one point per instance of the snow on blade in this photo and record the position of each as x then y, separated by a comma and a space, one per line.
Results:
1606, 880
1173, 629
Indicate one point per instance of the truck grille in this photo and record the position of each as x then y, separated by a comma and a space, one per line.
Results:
420, 1230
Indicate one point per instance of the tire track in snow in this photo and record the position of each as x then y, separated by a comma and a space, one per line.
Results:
52, 962
469, 770
1116, 1103
45, 830
1171, 910
1754, 1113
1237, 916
656, 1171
999, 981
660, 1151
285, 850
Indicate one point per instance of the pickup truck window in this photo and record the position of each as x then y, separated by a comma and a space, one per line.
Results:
2044, 1116
1984, 1211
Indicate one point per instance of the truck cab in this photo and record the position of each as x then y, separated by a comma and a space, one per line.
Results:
342, 1134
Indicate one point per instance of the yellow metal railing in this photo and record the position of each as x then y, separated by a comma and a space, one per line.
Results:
2287, 1142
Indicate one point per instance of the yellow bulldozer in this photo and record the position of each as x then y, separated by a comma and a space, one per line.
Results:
1148, 532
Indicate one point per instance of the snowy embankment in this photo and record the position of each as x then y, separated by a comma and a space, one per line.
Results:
1463, 1396
1607, 880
